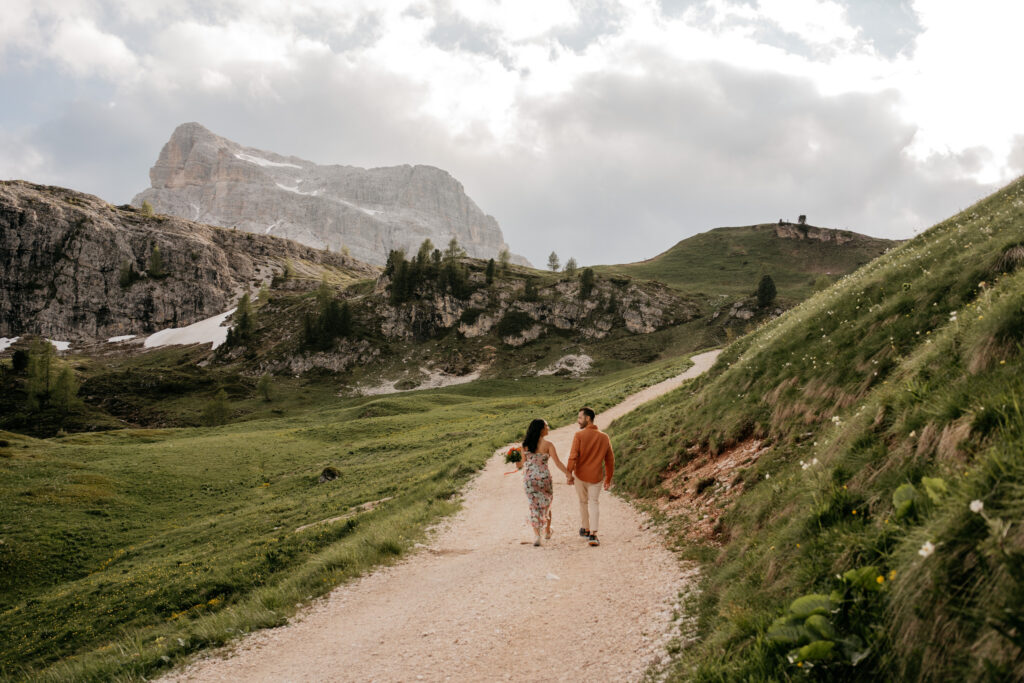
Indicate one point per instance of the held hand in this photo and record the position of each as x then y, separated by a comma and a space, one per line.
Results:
607, 486
569, 480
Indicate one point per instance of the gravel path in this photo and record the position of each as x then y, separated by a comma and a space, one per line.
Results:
480, 603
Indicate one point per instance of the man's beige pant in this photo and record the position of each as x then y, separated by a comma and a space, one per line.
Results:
588, 494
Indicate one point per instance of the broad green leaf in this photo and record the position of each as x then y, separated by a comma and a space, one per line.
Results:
820, 627
810, 604
788, 634
819, 649
865, 578
903, 499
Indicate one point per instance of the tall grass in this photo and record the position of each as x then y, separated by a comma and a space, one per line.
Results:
900, 383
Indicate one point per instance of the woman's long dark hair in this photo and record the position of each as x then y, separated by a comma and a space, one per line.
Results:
533, 435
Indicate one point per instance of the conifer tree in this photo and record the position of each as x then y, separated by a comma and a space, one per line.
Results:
570, 266
426, 249
553, 262
245, 323
454, 251
489, 273
156, 263
65, 390
586, 282
40, 364
766, 291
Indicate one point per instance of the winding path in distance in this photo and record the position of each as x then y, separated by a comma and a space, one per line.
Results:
480, 603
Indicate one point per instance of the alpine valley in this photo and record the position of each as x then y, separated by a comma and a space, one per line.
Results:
207, 427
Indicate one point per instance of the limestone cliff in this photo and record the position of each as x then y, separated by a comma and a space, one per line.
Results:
73, 267
207, 178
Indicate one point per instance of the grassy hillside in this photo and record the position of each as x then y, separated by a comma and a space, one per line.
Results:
123, 551
851, 475
731, 261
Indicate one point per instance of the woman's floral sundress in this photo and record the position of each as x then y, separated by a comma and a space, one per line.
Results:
539, 490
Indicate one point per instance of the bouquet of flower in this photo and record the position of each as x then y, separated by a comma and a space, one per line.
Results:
514, 454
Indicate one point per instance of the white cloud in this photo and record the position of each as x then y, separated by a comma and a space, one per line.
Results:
820, 22
87, 51
18, 26
19, 158
518, 19
961, 87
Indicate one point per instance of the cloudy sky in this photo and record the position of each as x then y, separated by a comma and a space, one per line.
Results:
603, 129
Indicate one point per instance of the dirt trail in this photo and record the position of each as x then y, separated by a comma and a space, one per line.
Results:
480, 603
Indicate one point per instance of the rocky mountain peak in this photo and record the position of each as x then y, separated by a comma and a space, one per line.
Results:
204, 177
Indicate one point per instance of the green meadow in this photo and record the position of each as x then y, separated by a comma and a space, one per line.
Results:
124, 551
730, 261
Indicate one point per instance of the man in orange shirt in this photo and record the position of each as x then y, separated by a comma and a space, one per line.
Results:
591, 452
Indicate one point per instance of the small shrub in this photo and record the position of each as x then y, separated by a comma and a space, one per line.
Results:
128, 275
1011, 258
329, 473
514, 323
470, 315
263, 387
216, 411
19, 362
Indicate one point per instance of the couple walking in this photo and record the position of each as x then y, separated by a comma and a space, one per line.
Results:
590, 453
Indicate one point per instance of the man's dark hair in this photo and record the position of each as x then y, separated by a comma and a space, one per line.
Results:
589, 412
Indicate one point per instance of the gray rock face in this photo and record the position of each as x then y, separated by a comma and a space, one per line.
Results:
64, 256
802, 231
637, 309
204, 177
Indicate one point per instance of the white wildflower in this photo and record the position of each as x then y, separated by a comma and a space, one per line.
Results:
977, 506
927, 549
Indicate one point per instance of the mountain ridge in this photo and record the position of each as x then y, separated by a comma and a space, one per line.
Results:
72, 265
208, 178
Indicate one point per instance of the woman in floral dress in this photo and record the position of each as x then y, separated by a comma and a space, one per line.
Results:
537, 477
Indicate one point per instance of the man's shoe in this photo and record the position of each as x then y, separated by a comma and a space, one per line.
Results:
593, 540
584, 533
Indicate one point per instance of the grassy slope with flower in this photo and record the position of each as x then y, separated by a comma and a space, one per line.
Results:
881, 534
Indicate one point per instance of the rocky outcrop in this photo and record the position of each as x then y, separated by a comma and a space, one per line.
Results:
636, 308
207, 178
802, 231
73, 267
